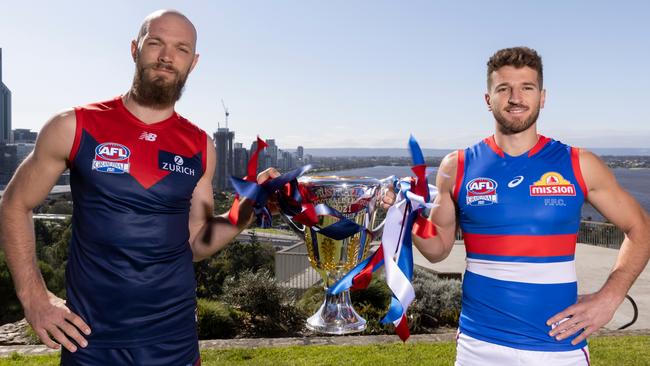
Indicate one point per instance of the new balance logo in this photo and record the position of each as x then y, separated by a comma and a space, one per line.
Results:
147, 136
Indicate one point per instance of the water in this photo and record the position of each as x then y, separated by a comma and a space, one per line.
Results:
635, 181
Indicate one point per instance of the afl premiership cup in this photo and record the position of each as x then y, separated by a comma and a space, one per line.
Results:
356, 199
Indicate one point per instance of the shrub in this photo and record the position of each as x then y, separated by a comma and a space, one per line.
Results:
437, 301
370, 303
10, 308
216, 320
231, 261
268, 309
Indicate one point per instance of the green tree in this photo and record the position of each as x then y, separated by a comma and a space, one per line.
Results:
235, 258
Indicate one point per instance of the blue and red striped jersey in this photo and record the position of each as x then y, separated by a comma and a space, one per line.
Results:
520, 216
130, 274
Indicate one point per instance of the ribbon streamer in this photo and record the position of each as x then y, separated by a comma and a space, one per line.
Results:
396, 250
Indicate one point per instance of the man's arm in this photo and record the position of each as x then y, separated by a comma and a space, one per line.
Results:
209, 233
619, 207
29, 186
443, 216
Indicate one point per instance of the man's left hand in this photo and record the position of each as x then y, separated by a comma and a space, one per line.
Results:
589, 314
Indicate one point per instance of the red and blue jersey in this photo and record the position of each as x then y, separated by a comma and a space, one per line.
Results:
130, 274
520, 216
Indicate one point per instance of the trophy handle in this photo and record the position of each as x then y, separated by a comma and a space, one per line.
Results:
387, 183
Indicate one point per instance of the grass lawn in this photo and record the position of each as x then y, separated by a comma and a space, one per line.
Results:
605, 351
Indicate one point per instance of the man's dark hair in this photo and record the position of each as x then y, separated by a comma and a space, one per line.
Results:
517, 57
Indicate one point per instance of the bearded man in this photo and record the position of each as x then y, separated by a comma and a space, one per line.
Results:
141, 184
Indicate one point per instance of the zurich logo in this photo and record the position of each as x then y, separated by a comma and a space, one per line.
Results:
178, 160
516, 181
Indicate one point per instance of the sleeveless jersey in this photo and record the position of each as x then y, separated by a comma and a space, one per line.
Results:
520, 216
130, 274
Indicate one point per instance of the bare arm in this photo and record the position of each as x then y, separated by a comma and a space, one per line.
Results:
619, 207
209, 233
29, 186
443, 216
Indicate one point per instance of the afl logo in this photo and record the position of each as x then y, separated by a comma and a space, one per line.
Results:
481, 191
111, 157
112, 151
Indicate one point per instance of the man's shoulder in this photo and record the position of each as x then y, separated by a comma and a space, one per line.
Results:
190, 126
100, 106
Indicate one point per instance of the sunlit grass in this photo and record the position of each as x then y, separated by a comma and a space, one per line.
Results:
605, 351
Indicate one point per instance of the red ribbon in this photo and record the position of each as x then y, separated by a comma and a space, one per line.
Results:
251, 176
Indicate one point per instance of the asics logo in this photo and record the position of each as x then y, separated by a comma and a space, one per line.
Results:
516, 181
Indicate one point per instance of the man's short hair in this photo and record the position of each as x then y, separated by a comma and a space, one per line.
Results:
517, 57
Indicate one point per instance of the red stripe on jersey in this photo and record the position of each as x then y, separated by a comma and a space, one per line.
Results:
460, 172
77, 136
541, 142
493, 145
521, 245
575, 162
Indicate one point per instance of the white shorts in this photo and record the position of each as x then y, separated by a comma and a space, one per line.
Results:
473, 352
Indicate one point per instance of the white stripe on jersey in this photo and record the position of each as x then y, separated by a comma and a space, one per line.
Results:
538, 273
472, 352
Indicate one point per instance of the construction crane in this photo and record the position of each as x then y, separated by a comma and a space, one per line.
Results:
225, 110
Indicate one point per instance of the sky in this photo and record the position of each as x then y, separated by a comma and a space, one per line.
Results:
342, 73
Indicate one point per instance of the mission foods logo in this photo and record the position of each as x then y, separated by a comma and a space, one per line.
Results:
552, 184
111, 157
481, 192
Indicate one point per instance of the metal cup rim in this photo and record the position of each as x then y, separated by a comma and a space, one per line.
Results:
334, 179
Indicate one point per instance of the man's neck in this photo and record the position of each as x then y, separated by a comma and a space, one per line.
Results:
147, 115
517, 144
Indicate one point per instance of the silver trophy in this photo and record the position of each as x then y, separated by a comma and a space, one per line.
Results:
357, 199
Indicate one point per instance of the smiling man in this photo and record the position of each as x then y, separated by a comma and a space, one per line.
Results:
141, 184
517, 196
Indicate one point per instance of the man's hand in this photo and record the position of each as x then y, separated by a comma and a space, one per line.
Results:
388, 199
589, 314
270, 173
51, 318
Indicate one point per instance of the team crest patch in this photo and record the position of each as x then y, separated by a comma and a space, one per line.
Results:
552, 184
481, 192
111, 157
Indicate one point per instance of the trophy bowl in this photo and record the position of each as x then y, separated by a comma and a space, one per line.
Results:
357, 199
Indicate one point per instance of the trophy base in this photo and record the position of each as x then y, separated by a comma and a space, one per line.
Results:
336, 316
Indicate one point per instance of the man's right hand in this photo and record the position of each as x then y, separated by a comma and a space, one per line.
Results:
388, 199
51, 318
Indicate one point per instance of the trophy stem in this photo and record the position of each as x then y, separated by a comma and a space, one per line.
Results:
336, 316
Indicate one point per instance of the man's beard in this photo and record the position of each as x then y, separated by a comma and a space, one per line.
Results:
155, 92
512, 127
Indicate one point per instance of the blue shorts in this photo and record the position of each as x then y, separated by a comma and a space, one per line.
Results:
180, 353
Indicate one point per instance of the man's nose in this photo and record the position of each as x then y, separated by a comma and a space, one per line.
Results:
165, 56
515, 96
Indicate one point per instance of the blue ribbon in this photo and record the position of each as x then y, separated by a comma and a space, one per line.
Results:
416, 152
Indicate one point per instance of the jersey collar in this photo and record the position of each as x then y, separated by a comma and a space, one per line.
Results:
541, 142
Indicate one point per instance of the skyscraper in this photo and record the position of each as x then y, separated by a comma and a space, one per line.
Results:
271, 154
6, 136
23, 135
240, 160
224, 169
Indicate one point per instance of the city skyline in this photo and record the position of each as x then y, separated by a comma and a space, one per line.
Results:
341, 74
6, 135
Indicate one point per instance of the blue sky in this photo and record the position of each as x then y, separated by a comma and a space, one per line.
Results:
344, 73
